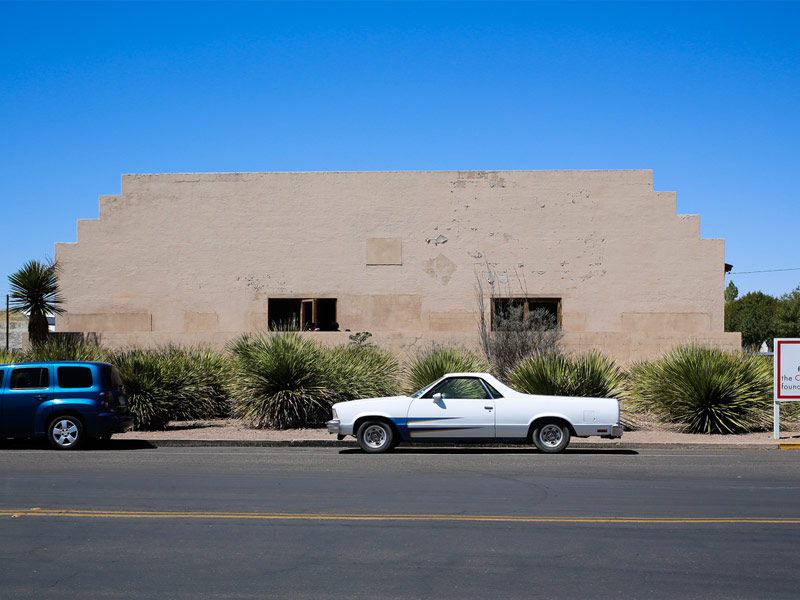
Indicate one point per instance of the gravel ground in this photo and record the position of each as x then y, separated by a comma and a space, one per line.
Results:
233, 430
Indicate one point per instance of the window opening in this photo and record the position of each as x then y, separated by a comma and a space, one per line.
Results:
521, 309
298, 314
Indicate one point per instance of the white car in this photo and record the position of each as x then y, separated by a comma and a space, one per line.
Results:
474, 407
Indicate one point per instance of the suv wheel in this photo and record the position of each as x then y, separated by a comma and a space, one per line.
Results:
65, 432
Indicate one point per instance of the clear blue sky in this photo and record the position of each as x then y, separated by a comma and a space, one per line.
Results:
707, 95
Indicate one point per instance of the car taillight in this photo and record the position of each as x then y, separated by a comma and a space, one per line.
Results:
104, 396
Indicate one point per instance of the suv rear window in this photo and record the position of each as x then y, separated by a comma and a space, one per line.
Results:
74, 377
30, 378
112, 377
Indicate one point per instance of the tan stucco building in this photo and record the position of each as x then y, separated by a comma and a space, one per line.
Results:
202, 258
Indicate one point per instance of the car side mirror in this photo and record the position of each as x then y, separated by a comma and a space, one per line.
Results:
437, 397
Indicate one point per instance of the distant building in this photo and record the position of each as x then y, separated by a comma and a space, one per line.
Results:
202, 258
18, 330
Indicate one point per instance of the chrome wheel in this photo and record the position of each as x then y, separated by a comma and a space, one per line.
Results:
551, 435
375, 436
65, 433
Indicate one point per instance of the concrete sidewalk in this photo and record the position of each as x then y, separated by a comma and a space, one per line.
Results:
233, 433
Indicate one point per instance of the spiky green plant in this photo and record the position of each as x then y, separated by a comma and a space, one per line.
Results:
705, 390
67, 348
35, 291
11, 357
431, 363
280, 381
174, 383
553, 373
360, 371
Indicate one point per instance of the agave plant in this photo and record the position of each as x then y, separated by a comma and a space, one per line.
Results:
431, 363
557, 374
705, 390
35, 291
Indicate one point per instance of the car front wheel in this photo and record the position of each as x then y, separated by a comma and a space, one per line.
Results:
65, 433
551, 436
375, 437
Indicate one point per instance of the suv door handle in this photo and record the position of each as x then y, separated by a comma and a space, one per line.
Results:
40, 396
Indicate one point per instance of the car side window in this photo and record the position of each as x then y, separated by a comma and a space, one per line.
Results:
492, 391
30, 378
465, 388
74, 377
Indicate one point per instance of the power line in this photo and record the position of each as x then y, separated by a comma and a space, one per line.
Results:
765, 271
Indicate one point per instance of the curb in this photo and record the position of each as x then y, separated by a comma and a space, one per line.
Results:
352, 444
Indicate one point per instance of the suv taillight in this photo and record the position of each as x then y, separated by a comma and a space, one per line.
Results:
104, 397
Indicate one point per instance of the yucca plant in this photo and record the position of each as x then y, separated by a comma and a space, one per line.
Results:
360, 371
705, 390
174, 383
11, 357
431, 363
64, 347
556, 374
35, 291
152, 386
280, 381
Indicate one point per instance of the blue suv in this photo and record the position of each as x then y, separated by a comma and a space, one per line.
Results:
65, 401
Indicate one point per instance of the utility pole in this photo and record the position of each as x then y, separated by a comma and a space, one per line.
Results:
6, 322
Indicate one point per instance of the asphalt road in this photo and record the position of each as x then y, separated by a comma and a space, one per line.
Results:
174, 523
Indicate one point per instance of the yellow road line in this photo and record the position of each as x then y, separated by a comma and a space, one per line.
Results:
129, 514
789, 446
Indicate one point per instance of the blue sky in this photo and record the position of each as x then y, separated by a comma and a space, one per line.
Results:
707, 95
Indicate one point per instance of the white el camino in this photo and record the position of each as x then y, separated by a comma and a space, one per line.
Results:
474, 407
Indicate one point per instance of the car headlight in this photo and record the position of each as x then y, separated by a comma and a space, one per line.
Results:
335, 415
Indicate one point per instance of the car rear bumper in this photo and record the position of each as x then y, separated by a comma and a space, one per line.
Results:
108, 422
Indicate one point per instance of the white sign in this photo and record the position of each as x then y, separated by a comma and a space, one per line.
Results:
787, 370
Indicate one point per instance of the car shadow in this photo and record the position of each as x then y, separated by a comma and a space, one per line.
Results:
457, 450
89, 446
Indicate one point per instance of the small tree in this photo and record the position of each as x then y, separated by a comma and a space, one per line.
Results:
754, 315
731, 292
34, 290
787, 315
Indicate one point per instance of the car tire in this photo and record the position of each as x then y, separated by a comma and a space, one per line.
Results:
550, 436
65, 433
375, 436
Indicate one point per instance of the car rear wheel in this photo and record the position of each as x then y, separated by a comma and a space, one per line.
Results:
375, 436
65, 433
551, 436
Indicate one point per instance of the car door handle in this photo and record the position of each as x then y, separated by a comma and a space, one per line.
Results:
489, 407
40, 396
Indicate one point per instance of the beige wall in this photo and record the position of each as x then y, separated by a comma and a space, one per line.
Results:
194, 257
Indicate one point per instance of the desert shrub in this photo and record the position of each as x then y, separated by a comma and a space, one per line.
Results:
705, 390
286, 380
356, 371
10, 357
280, 381
58, 347
556, 374
431, 363
516, 335
172, 383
